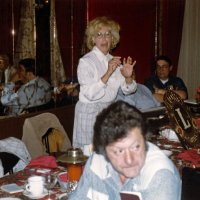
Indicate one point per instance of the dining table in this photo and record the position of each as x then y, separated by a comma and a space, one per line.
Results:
159, 122
181, 157
20, 178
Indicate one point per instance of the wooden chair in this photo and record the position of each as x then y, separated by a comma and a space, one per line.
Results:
37, 130
45, 140
182, 120
14, 155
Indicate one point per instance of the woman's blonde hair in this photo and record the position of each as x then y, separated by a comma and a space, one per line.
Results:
96, 24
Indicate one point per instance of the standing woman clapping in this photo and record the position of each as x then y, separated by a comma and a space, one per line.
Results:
100, 75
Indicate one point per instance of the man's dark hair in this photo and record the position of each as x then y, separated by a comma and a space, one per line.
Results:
114, 123
165, 58
29, 64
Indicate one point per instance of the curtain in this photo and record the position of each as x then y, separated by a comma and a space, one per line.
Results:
71, 23
26, 41
189, 59
57, 70
9, 21
171, 22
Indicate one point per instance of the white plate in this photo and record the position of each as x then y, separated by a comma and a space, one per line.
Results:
167, 146
167, 152
191, 101
28, 194
159, 108
9, 198
169, 134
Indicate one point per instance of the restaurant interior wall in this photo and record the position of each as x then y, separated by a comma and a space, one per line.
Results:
138, 25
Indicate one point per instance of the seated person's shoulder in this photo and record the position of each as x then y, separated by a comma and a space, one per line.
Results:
178, 82
177, 79
143, 87
42, 81
156, 159
149, 82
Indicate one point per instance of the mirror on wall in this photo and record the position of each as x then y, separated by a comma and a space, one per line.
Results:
42, 45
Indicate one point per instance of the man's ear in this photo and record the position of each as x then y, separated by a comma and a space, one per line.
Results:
93, 41
170, 68
28, 74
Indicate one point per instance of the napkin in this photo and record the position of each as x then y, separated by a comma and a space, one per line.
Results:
169, 134
190, 155
43, 162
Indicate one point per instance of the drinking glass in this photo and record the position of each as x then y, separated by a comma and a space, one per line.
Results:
51, 181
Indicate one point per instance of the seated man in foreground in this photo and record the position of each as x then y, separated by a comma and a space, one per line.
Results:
124, 161
34, 91
163, 80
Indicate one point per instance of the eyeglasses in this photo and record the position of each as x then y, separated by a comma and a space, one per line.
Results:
105, 35
159, 67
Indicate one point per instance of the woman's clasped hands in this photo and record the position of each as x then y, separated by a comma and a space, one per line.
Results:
127, 69
114, 63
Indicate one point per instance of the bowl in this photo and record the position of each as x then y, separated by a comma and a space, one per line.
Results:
63, 180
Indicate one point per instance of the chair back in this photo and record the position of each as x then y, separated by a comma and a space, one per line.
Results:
14, 155
53, 140
36, 127
45, 140
181, 120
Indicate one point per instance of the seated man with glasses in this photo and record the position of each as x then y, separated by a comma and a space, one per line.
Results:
163, 80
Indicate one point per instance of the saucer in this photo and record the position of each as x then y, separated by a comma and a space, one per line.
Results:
28, 194
9, 198
167, 152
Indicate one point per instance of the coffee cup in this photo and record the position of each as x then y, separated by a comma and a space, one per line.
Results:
35, 185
